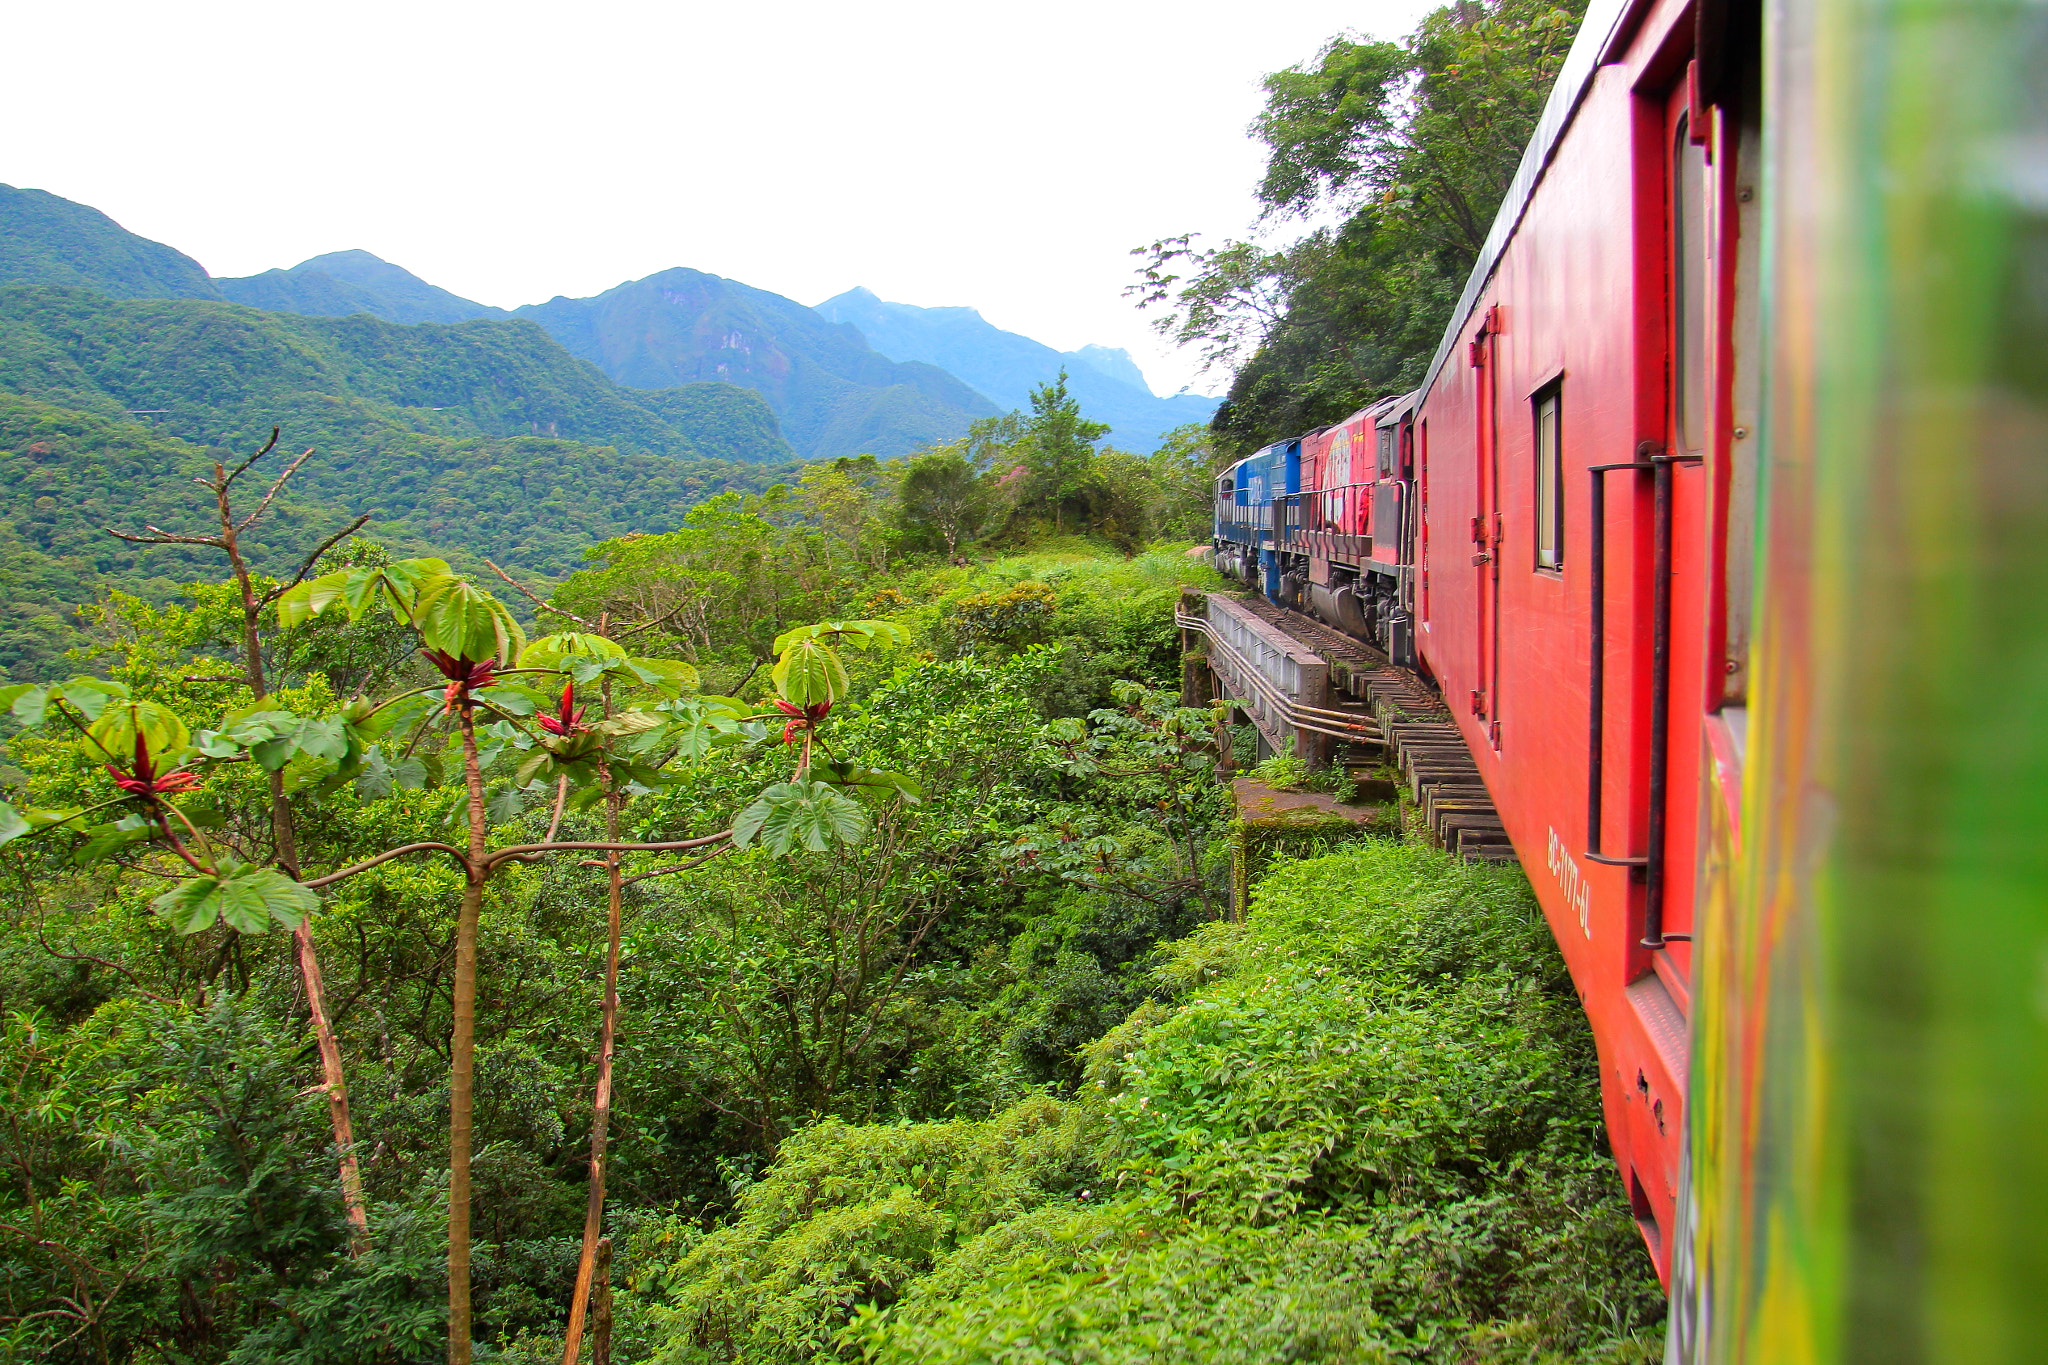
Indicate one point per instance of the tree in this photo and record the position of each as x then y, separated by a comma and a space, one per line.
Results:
1183, 470
283, 835
845, 499
1058, 447
1415, 145
944, 496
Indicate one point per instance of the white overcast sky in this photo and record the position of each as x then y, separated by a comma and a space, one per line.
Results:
1005, 157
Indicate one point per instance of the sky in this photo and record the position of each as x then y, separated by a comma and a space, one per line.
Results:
1006, 157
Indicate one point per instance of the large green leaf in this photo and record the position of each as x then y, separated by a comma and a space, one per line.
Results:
398, 586
672, 677
370, 722
512, 701
12, 825
550, 651
103, 840
459, 618
875, 782
858, 634
811, 815
247, 897
113, 734
809, 672
90, 696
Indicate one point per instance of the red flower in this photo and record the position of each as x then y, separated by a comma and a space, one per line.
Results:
145, 782
801, 717
463, 676
568, 717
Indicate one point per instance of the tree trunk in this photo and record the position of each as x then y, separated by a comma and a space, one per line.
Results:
601, 1324
337, 1091
462, 1050
601, 1109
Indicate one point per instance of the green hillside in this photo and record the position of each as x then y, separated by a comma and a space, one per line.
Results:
529, 502
45, 239
221, 373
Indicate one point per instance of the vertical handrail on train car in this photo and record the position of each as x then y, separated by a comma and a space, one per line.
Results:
1651, 457
1596, 682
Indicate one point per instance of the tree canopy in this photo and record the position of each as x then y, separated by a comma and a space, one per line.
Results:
1410, 146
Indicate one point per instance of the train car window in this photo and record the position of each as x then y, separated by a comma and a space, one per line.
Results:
1689, 275
1549, 479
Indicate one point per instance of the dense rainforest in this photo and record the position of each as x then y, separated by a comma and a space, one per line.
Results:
920, 1027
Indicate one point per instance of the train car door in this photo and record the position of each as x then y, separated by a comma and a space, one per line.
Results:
1682, 590
1486, 526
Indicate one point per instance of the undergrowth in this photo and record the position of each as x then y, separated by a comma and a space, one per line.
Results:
1363, 1125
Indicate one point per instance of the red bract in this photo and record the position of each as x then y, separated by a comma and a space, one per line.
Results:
462, 675
568, 717
145, 782
801, 718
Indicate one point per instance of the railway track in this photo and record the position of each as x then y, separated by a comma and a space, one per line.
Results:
1421, 741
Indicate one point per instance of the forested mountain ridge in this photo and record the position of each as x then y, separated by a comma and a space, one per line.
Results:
834, 394
45, 239
1005, 365
344, 282
533, 504
222, 374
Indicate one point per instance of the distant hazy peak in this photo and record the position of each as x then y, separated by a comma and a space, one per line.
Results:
1113, 361
861, 300
1007, 366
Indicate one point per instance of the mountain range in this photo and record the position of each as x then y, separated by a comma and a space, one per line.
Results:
855, 375
461, 429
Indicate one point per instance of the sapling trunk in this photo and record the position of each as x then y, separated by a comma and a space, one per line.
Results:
462, 1046
601, 1107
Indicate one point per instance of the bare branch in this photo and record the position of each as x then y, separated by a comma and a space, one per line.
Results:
600, 847
314, 558
554, 821
164, 538
386, 856
675, 867
527, 593
744, 681
268, 446
276, 486
661, 620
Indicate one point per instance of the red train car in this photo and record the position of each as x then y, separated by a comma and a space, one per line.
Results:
1580, 431
1545, 528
